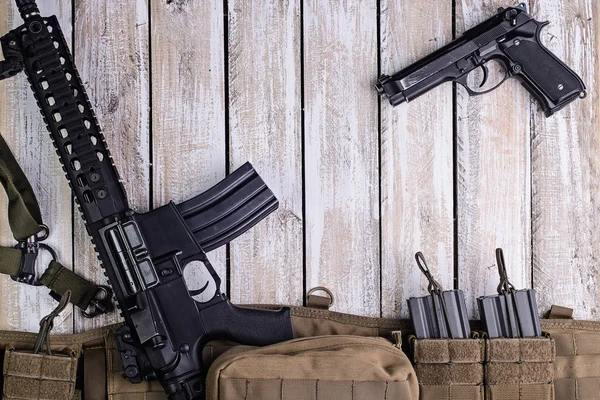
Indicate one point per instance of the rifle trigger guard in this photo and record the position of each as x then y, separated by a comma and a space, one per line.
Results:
31, 249
100, 304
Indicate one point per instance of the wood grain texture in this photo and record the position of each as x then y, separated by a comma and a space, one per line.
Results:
525, 182
341, 152
112, 55
188, 105
416, 159
265, 129
22, 127
566, 168
493, 177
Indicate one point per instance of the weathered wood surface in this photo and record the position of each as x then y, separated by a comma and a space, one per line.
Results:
416, 160
265, 129
188, 103
186, 91
566, 168
22, 127
493, 177
120, 97
341, 152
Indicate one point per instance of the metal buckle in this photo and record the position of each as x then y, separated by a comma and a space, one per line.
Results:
101, 303
31, 248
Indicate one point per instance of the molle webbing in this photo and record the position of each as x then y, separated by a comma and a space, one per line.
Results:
576, 368
50, 377
519, 369
449, 368
335, 367
29, 376
577, 365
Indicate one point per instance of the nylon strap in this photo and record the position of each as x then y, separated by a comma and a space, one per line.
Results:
10, 260
24, 214
25, 219
60, 280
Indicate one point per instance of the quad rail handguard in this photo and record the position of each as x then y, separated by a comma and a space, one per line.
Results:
148, 258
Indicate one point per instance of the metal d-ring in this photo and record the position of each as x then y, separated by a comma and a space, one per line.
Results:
322, 289
45, 233
100, 304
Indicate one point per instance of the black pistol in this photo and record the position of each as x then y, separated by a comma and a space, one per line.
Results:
148, 258
511, 313
442, 314
512, 37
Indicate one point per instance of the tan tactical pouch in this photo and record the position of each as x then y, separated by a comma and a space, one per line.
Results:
519, 369
449, 368
577, 364
314, 368
40, 376
576, 367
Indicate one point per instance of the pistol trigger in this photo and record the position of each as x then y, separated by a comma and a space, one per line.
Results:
486, 72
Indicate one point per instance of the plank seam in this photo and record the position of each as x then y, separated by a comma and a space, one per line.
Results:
150, 121
303, 155
226, 128
73, 208
455, 240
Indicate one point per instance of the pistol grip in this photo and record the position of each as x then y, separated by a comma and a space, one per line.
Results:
229, 208
251, 326
546, 77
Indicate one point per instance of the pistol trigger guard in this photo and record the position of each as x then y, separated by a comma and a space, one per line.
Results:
463, 82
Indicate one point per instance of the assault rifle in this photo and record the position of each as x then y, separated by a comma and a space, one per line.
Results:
512, 37
147, 257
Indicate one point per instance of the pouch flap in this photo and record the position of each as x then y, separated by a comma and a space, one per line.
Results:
520, 350
439, 351
334, 367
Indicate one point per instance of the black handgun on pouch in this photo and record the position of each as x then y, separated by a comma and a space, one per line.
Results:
512, 37
148, 257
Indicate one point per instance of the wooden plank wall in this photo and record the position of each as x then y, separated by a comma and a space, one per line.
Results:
188, 91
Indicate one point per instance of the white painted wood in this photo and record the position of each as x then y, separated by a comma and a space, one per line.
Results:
416, 159
341, 152
566, 168
22, 127
265, 129
111, 52
494, 189
188, 111
498, 171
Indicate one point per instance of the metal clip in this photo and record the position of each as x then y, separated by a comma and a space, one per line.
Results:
31, 248
434, 287
101, 303
504, 286
511, 313
442, 314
